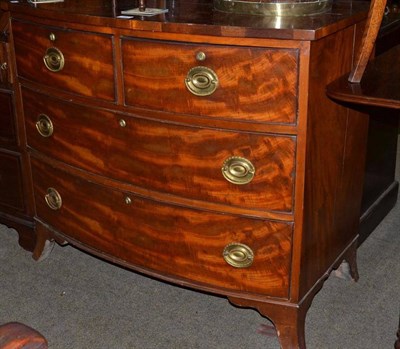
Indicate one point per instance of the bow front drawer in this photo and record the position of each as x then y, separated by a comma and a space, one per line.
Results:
221, 251
242, 169
74, 61
234, 83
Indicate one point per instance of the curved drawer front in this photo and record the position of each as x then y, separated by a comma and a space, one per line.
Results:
77, 62
182, 160
237, 83
170, 240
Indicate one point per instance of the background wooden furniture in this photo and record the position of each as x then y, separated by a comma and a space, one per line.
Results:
380, 186
15, 206
379, 88
199, 148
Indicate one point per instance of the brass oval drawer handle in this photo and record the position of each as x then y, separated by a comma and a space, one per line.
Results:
201, 81
4, 66
238, 255
238, 170
53, 199
44, 126
54, 59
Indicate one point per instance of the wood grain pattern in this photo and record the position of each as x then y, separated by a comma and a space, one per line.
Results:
255, 84
177, 159
88, 58
171, 240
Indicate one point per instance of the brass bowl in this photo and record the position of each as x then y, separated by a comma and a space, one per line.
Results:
274, 8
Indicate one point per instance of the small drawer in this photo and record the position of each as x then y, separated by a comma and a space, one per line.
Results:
11, 186
7, 121
234, 83
176, 242
247, 170
74, 61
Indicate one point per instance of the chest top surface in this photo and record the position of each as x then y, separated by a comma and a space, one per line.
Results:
198, 17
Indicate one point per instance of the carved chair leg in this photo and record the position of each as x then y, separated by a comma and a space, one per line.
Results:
375, 15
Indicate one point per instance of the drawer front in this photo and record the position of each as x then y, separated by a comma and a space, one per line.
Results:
7, 122
11, 187
254, 84
182, 160
84, 60
170, 240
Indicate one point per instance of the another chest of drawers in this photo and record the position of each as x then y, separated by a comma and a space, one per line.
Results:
15, 209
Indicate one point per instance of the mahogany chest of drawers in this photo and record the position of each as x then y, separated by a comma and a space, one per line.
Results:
209, 159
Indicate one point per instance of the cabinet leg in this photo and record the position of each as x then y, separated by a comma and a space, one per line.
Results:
348, 268
289, 320
291, 329
44, 243
351, 258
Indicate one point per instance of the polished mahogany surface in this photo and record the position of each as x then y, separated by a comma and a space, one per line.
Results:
379, 86
203, 19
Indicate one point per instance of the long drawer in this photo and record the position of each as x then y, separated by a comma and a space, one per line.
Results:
235, 83
247, 170
74, 61
170, 240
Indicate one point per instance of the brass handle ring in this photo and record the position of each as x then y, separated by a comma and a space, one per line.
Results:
44, 126
238, 170
54, 59
53, 199
238, 255
201, 81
